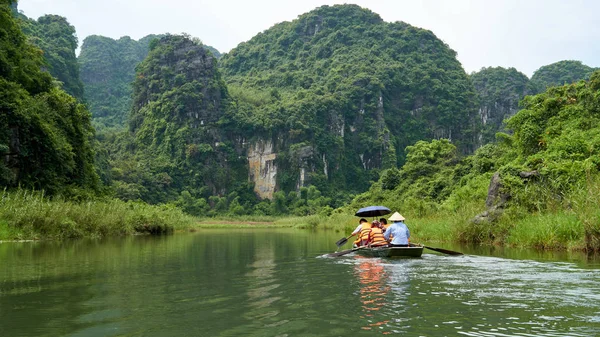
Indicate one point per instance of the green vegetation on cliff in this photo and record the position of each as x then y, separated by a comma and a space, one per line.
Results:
57, 39
548, 169
107, 70
340, 93
177, 138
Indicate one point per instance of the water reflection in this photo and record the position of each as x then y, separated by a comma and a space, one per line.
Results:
374, 289
261, 283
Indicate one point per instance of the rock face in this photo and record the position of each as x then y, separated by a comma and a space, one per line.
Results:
496, 199
494, 202
499, 91
262, 168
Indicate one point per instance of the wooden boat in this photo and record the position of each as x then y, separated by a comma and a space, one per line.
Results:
412, 251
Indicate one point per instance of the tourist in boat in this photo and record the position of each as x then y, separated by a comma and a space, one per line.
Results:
398, 231
384, 224
362, 223
376, 238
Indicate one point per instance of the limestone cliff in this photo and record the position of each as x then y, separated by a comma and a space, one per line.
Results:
176, 119
262, 168
499, 91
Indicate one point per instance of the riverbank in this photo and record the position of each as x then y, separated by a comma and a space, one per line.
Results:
27, 215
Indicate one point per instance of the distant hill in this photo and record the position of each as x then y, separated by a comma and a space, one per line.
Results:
56, 37
499, 91
559, 73
107, 70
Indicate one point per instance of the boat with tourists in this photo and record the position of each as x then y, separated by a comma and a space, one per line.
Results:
371, 246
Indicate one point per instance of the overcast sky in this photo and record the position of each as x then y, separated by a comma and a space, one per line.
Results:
525, 34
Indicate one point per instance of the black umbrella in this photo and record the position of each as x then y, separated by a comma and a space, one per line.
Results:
373, 211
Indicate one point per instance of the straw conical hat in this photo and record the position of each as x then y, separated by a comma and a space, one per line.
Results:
396, 217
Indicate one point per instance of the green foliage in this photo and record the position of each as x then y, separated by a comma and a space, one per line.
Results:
178, 148
45, 134
557, 74
390, 179
57, 39
107, 70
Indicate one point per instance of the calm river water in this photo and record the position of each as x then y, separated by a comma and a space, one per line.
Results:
273, 283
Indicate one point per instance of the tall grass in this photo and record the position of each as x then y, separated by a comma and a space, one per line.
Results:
569, 221
561, 230
30, 215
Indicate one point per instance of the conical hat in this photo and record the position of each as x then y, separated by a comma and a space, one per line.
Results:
396, 217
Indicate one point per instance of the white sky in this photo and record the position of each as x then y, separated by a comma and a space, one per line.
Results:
525, 34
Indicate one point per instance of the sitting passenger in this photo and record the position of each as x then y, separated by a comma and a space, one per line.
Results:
363, 237
384, 224
376, 238
358, 231
399, 231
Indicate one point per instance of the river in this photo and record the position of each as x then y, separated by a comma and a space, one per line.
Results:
275, 283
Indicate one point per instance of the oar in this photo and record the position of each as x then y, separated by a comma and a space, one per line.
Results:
444, 251
342, 241
344, 252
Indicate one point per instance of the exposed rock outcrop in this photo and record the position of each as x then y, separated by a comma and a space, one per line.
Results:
496, 198
494, 202
262, 168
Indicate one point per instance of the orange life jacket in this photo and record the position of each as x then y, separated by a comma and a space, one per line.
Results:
363, 236
376, 237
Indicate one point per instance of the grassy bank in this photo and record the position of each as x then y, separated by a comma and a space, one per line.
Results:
571, 222
27, 215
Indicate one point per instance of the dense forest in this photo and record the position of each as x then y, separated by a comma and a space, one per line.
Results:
301, 119
46, 135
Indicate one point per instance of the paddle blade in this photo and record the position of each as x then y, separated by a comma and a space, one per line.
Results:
341, 242
444, 251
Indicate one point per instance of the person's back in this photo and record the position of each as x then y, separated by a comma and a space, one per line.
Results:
364, 234
376, 238
358, 232
398, 231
